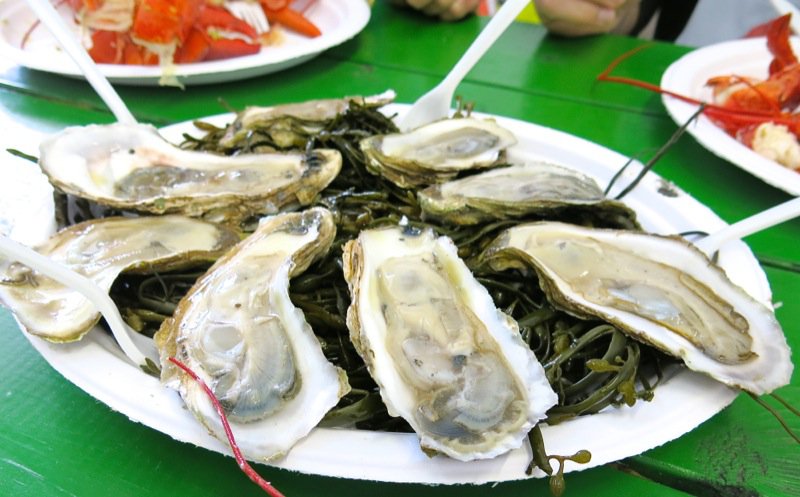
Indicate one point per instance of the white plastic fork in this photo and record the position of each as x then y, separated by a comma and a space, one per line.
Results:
747, 226
69, 42
250, 12
436, 103
137, 347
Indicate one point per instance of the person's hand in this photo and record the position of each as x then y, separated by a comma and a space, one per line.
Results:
585, 17
447, 10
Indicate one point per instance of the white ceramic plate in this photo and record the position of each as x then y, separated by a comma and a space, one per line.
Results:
688, 75
339, 20
97, 366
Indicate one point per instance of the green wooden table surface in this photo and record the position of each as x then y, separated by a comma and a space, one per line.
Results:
55, 440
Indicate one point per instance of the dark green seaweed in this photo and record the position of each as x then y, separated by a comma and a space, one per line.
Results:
590, 364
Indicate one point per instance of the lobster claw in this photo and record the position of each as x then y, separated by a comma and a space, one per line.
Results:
777, 31
208, 38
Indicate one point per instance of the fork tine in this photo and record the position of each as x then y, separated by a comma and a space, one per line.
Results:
255, 16
249, 12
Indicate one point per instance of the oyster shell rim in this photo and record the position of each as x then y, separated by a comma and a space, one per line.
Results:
768, 343
173, 261
531, 380
298, 332
198, 204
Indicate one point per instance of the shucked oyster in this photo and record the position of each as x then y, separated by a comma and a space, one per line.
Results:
661, 290
514, 191
132, 167
101, 249
445, 358
290, 125
437, 151
239, 331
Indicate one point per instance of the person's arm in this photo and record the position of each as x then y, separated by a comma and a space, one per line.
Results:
586, 17
447, 10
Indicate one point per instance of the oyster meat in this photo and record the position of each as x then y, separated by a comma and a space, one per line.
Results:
290, 125
445, 358
239, 331
661, 290
133, 167
514, 191
438, 151
101, 249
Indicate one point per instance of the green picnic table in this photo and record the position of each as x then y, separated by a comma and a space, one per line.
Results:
57, 440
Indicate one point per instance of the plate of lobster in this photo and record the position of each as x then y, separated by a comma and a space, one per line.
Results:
751, 88
138, 42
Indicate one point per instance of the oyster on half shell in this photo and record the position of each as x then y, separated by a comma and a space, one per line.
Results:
132, 167
515, 191
101, 249
289, 125
239, 331
661, 290
445, 358
437, 151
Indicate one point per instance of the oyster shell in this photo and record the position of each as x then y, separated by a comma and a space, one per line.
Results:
437, 151
514, 191
661, 290
132, 167
239, 331
290, 125
445, 358
101, 249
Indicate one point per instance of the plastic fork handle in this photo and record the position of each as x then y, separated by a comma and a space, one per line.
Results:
17, 252
496, 26
69, 42
747, 226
